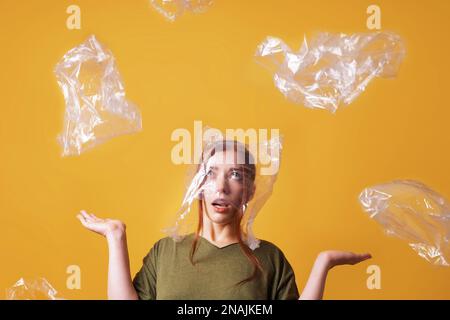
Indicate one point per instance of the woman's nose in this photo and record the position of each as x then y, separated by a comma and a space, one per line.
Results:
222, 184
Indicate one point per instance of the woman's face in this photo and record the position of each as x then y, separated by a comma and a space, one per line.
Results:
224, 188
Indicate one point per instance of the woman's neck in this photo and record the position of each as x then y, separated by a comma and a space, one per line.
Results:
219, 234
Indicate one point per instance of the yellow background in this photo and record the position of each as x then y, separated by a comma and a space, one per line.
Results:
201, 68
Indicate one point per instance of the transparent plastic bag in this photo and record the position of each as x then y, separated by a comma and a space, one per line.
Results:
96, 108
333, 68
253, 167
172, 9
413, 212
32, 289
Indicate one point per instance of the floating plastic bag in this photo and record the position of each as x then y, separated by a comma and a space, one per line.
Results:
172, 9
413, 212
31, 289
333, 68
228, 178
96, 108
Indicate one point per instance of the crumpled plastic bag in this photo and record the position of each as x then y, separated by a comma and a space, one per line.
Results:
96, 108
258, 165
332, 69
172, 9
413, 212
32, 289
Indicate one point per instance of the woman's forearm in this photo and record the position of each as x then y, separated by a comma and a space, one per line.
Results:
316, 282
120, 286
325, 261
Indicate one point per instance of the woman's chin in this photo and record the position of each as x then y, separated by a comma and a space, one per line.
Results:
221, 217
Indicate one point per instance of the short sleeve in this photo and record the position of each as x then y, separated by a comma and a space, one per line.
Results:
144, 281
285, 286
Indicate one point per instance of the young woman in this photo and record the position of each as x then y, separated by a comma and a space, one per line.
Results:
214, 262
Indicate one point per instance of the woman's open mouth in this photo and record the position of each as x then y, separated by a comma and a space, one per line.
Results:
221, 205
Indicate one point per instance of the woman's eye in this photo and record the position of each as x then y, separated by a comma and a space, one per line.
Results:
236, 175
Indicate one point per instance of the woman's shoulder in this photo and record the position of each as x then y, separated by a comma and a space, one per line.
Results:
268, 247
272, 256
158, 248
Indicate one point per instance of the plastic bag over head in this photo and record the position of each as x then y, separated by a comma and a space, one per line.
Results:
332, 69
413, 212
96, 107
230, 179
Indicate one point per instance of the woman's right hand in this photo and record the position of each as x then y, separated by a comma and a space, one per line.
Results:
104, 227
120, 284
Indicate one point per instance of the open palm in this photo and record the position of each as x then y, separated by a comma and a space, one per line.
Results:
336, 258
98, 225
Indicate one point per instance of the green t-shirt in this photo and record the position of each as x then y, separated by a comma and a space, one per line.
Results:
168, 274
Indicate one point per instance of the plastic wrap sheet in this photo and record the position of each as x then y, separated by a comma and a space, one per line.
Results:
332, 69
413, 212
96, 107
32, 289
172, 9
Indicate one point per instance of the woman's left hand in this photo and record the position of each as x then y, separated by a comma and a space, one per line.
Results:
334, 258
325, 261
